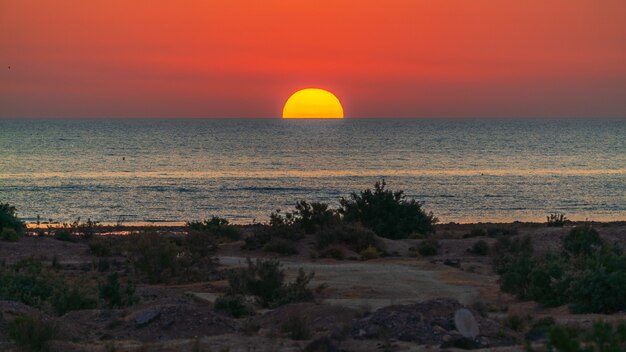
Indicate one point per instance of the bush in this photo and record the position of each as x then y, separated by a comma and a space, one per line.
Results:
9, 219
332, 252
603, 337
217, 227
264, 279
9, 235
428, 248
281, 246
582, 240
27, 282
389, 214
501, 231
64, 235
556, 220
69, 299
154, 256
99, 248
196, 257
31, 333
314, 216
370, 253
113, 297
480, 248
235, 305
355, 236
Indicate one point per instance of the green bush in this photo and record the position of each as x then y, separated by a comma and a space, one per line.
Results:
264, 279
9, 219
389, 214
216, 226
28, 282
30, 333
235, 305
69, 299
428, 248
196, 257
112, 295
603, 338
354, 235
556, 220
582, 240
480, 248
9, 235
312, 217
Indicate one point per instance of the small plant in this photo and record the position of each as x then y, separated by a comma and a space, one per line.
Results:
235, 305
281, 246
603, 337
154, 256
515, 323
501, 231
31, 333
556, 220
428, 248
480, 248
99, 248
9, 235
388, 213
333, 252
370, 252
479, 232
112, 295
64, 234
69, 299
297, 327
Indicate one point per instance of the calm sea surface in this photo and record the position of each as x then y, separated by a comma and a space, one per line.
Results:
242, 169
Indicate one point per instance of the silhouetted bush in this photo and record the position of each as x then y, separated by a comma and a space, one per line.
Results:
501, 231
389, 214
9, 235
9, 219
69, 299
428, 248
315, 216
30, 333
480, 247
235, 305
332, 252
64, 234
153, 255
556, 220
355, 236
216, 226
264, 279
280, 226
112, 295
99, 248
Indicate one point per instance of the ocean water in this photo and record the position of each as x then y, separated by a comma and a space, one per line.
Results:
158, 170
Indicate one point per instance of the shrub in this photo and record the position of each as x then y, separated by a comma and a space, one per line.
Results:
389, 214
501, 231
476, 233
603, 337
264, 279
314, 216
513, 261
112, 295
556, 220
31, 333
480, 247
69, 299
154, 256
281, 246
355, 236
332, 252
297, 327
27, 282
9, 219
582, 240
99, 248
370, 253
235, 305
428, 248
196, 256
216, 226
9, 235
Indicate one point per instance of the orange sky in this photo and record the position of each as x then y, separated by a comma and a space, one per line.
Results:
243, 58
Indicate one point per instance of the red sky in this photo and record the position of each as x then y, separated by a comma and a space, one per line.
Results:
243, 58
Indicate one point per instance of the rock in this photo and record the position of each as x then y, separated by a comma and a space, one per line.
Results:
465, 323
146, 317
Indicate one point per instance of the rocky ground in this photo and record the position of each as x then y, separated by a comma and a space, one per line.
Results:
400, 302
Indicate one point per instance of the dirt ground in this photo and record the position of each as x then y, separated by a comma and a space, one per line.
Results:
350, 291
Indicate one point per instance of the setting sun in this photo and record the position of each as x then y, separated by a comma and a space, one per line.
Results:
312, 103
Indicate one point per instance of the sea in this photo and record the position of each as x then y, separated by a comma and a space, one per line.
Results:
156, 171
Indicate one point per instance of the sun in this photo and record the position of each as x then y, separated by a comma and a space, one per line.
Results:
313, 103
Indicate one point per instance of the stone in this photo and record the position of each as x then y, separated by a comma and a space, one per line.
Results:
466, 323
146, 317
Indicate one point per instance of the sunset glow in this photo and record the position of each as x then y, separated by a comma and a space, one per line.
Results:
313, 103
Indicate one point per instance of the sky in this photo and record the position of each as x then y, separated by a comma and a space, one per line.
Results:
244, 58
